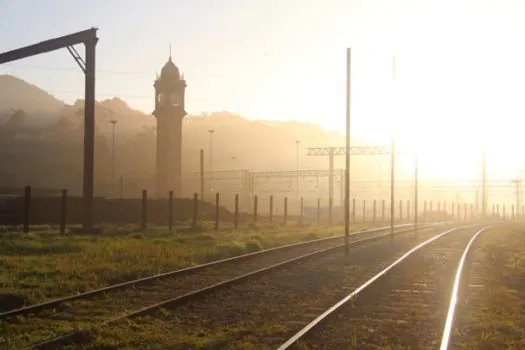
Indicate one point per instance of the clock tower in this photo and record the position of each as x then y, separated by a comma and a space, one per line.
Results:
169, 111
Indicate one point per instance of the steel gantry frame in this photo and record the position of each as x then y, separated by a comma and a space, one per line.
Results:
341, 151
89, 39
290, 174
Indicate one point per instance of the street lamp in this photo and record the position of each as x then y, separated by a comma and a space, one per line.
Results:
297, 142
114, 123
211, 131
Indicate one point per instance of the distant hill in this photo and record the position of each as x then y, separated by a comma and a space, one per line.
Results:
53, 143
41, 108
16, 93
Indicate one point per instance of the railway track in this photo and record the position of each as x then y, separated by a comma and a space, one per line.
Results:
64, 319
490, 305
257, 313
406, 305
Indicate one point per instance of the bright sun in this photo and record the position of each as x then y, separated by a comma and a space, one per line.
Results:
444, 108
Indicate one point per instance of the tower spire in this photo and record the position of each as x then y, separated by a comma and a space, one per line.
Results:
170, 50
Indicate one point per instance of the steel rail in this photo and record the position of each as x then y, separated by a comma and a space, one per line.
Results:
455, 289
55, 302
67, 338
322, 317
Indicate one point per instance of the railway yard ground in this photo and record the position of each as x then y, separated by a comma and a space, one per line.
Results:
262, 301
491, 306
43, 265
259, 313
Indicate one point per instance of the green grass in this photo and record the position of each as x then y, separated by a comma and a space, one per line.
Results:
42, 265
495, 319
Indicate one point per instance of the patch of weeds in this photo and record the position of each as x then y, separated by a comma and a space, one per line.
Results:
205, 237
353, 343
214, 344
310, 237
43, 265
227, 250
253, 246
160, 241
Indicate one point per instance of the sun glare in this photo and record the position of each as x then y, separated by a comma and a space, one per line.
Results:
443, 108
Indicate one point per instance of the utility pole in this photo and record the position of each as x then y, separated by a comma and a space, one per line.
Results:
347, 154
202, 173
392, 179
518, 194
392, 163
330, 183
113, 123
518, 191
297, 167
484, 185
211, 131
416, 190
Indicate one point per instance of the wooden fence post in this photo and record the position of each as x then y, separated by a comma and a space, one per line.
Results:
63, 213
144, 208
170, 211
236, 218
217, 212
195, 210
27, 209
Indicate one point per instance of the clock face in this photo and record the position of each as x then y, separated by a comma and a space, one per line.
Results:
174, 99
162, 98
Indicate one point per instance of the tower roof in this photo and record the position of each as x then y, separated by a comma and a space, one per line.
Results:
170, 71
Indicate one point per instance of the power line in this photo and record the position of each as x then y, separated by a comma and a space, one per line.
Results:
104, 71
150, 97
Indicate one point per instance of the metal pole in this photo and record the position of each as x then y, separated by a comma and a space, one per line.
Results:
347, 153
89, 137
330, 184
484, 186
392, 178
297, 167
341, 188
202, 173
113, 122
382, 211
392, 164
211, 131
518, 185
416, 193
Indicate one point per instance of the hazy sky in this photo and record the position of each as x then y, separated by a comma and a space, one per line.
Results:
460, 63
